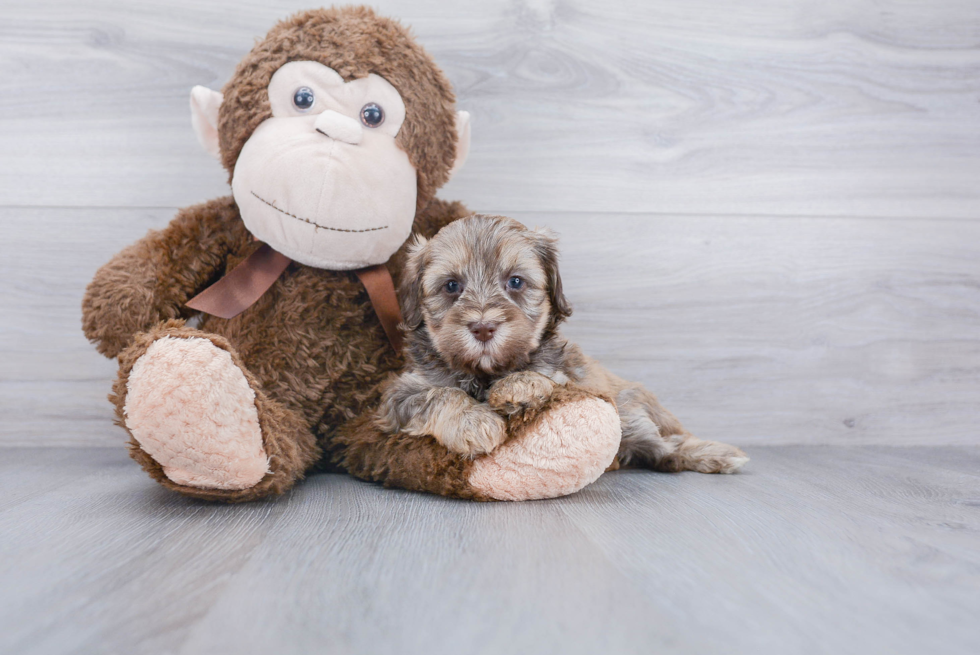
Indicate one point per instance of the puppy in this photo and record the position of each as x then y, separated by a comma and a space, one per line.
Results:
482, 303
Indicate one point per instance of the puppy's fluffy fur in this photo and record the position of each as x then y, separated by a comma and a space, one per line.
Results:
482, 303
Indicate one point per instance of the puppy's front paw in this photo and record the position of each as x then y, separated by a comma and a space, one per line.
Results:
520, 391
474, 432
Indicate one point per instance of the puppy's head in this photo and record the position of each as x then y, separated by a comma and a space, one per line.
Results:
486, 290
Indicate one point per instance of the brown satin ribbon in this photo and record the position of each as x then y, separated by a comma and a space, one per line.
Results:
381, 290
238, 290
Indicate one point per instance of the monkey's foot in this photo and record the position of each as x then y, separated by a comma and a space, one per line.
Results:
191, 408
564, 447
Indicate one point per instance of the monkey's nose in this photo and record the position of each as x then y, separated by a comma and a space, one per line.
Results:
337, 126
483, 331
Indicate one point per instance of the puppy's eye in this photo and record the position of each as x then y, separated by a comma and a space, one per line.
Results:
303, 98
372, 115
515, 283
452, 287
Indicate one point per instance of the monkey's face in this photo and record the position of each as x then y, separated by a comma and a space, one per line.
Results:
323, 180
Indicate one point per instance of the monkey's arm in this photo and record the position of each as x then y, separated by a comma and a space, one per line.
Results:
151, 280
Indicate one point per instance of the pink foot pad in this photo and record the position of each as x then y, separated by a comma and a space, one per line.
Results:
571, 446
191, 409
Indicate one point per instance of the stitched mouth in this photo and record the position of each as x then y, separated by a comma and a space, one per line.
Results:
314, 223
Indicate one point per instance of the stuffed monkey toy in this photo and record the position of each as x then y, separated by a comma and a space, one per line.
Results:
336, 130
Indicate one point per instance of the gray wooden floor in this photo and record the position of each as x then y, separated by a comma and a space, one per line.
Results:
811, 550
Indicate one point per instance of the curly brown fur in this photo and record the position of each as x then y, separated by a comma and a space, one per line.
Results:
151, 280
355, 42
408, 462
474, 333
312, 344
312, 347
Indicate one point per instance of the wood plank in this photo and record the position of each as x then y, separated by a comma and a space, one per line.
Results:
811, 549
845, 548
401, 572
53, 385
784, 330
26, 474
809, 107
112, 560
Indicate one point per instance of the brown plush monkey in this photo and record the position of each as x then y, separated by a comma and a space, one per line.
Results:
336, 129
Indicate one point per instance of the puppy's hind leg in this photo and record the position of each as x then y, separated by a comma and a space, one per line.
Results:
694, 454
641, 445
653, 438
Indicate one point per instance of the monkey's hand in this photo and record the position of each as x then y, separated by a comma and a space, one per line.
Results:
122, 300
150, 281
519, 392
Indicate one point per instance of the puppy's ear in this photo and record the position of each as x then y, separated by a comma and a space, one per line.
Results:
410, 289
546, 246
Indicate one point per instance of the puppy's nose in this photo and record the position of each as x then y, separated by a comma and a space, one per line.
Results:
483, 331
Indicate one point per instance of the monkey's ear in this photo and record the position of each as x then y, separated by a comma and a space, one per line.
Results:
546, 246
462, 141
204, 118
410, 289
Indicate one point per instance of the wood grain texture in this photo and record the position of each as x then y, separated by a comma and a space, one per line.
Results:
811, 550
811, 107
766, 330
860, 326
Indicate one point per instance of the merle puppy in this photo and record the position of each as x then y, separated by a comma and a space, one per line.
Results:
482, 302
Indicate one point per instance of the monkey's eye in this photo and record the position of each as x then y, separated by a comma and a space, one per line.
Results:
452, 287
515, 283
303, 98
372, 115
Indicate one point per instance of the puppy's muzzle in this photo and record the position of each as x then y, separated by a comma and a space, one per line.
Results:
483, 331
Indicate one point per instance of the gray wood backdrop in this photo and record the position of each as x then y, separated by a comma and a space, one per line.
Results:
770, 210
